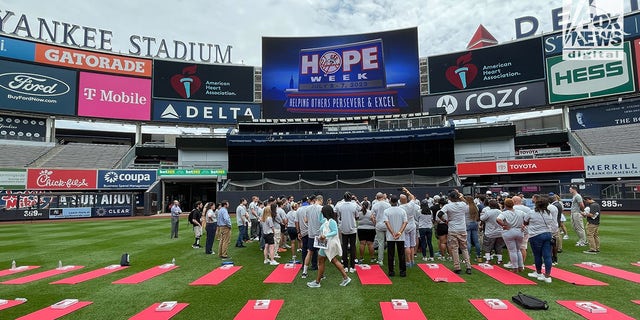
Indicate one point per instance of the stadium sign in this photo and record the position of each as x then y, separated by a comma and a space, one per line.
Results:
74, 35
202, 112
570, 80
92, 61
126, 179
613, 114
548, 165
31, 88
114, 97
13, 179
185, 81
500, 99
374, 73
166, 173
487, 67
528, 25
60, 179
22, 128
612, 166
17, 49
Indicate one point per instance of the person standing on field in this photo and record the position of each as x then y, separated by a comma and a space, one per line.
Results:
577, 207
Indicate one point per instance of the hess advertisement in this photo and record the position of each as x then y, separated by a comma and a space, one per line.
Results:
188, 81
356, 74
493, 66
570, 80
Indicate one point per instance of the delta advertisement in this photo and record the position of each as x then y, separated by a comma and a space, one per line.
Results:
114, 97
499, 99
488, 67
613, 114
17, 49
92, 61
22, 128
32, 88
188, 81
571, 80
203, 112
375, 73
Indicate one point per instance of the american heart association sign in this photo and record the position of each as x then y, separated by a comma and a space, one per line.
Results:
463, 73
186, 83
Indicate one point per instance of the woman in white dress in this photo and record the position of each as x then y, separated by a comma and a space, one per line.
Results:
333, 250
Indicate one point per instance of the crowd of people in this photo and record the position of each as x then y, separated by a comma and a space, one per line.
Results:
357, 231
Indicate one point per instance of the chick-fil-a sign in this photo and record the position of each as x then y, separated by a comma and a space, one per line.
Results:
61, 179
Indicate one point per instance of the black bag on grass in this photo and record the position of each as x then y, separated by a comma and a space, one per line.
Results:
530, 302
124, 260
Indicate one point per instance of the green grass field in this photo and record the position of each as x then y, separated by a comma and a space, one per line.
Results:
98, 243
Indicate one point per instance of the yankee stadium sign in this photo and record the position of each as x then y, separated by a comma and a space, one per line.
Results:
74, 35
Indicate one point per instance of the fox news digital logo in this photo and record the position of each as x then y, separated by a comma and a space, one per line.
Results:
593, 30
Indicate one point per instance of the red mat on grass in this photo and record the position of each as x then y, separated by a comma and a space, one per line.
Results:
389, 313
150, 313
573, 278
636, 301
511, 312
618, 273
144, 275
216, 276
90, 275
49, 313
373, 275
42, 275
11, 303
503, 275
612, 314
440, 274
7, 272
249, 313
283, 273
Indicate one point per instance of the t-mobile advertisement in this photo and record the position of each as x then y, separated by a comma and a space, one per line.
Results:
114, 97
374, 73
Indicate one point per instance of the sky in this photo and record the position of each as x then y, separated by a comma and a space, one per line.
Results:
444, 26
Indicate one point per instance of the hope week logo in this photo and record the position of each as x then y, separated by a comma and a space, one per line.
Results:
187, 82
463, 73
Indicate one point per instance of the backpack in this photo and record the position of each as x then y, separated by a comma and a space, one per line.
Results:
124, 260
192, 215
530, 302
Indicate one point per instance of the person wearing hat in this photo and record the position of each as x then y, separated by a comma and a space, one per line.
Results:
592, 213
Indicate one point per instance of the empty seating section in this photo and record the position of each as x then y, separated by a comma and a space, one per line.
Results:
21, 155
611, 140
83, 155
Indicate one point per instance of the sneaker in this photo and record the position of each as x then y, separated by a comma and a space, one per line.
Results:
274, 263
345, 282
580, 244
304, 275
313, 284
590, 251
430, 259
194, 246
457, 271
565, 237
468, 271
508, 265
534, 274
266, 261
324, 277
554, 263
287, 246
541, 277
352, 270
547, 279
299, 250
373, 261
425, 259
441, 258
277, 256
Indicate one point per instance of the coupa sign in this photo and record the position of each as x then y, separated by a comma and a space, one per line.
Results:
570, 80
498, 99
126, 179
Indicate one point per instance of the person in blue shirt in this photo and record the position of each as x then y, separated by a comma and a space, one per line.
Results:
333, 250
224, 225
